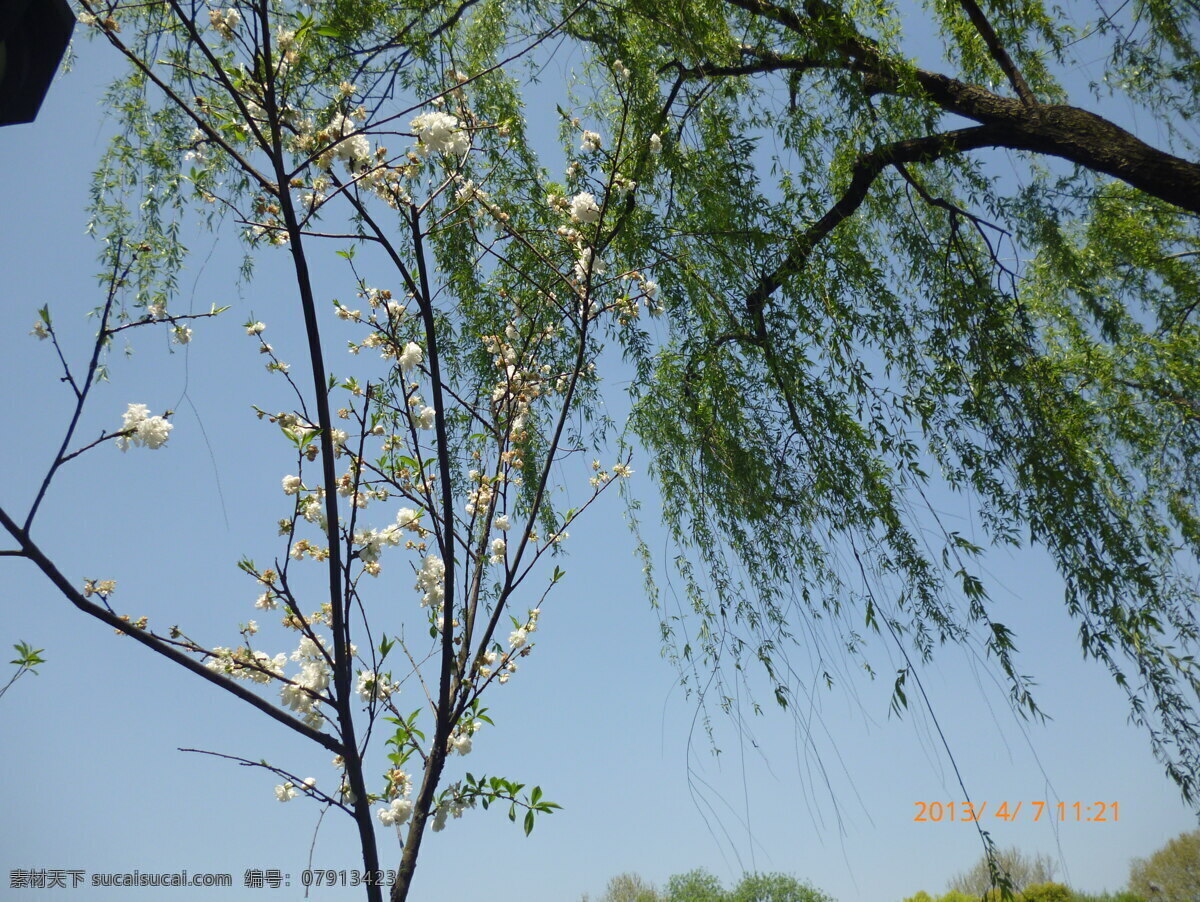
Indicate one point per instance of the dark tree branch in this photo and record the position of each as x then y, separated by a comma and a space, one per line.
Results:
343, 695
996, 49
1059, 130
1072, 134
34, 553
866, 170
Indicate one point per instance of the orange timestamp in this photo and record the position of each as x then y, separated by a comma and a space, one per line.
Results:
973, 812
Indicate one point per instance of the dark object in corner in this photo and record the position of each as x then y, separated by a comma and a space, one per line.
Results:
33, 38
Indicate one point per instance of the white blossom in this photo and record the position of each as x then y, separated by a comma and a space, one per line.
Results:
439, 132
224, 21
430, 578
590, 142
396, 813
410, 357
589, 262
655, 144
152, 432
584, 208
292, 485
498, 549
352, 147
372, 686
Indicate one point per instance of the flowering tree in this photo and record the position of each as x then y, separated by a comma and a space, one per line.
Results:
431, 462
871, 311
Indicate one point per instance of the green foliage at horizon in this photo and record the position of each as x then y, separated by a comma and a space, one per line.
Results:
701, 886
1171, 874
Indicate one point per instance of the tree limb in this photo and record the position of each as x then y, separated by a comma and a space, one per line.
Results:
34, 553
1060, 130
866, 170
996, 49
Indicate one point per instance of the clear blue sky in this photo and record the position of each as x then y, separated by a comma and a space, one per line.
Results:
91, 775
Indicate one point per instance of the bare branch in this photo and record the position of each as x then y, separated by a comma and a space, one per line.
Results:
33, 552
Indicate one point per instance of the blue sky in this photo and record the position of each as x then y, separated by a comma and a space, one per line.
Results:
92, 775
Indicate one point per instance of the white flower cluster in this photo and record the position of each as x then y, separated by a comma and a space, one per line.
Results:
488, 661
589, 263
519, 637
584, 208
407, 518
431, 579
299, 695
102, 587
469, 193
521, 382
439, 132
344, 138
410, 357
354, 149
460, 739
373, 686
622, 185
621, 471
452, 806
152, 432
589, 142
287, 791
499, 548
244, 664
224, 21
397, 813
478, 499
372, 541
197, 152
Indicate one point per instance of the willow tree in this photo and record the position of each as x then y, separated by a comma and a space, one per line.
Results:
906, 247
